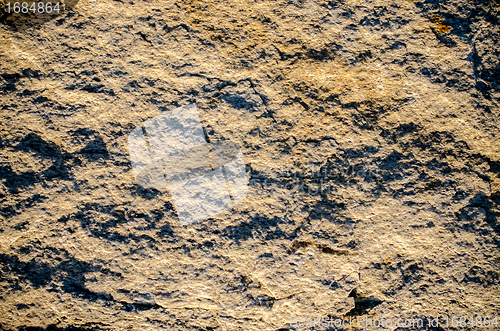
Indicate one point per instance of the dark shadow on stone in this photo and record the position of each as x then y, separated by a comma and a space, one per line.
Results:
20, 306
83, 132
362, 305
327, 210
95, 149
65, 270
12, 79
14, 271
97, 88
32, 143
445, 39
320, 55
56, 170
238, 102
477, 274
262, 301
461, 20
65, 273
146, 193
412, 273
102, 222
45, 149
491, 205
14, 181
367, 113
400, 131
394, 167
262, 224
91, 217
9, 211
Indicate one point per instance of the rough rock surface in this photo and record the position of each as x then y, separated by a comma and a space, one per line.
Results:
370, 134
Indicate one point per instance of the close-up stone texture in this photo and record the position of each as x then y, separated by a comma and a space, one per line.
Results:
370, 136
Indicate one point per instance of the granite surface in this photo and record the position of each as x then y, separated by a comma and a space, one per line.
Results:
370, 136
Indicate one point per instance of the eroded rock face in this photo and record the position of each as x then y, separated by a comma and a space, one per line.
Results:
369, 132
